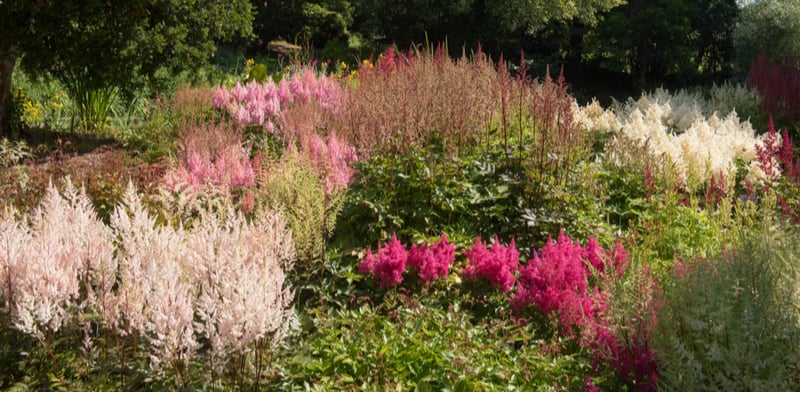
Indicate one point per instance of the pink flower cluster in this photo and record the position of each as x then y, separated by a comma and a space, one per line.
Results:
230, 168
775, 155
498, 264
430, 263
261, 103
331, 160
557, 281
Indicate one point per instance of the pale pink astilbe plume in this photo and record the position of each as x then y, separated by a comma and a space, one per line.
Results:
284, 94
498, 265
307, 86
221, 98
432, 263
331, 161
154, 298
239, 270
390, 264
47, 261
239, 93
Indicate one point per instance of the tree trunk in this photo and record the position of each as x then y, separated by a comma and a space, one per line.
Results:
7, 63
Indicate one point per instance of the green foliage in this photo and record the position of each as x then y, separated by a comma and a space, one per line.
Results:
733, 322
665, 39
671, 230
293, 186
768, 26
94, 46
319, 20
484, 191
406, 345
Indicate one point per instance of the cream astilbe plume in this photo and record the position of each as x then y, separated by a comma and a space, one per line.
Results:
239, 272
675, 131
593, 117
45, 262
155, 292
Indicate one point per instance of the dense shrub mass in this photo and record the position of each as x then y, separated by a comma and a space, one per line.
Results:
641, 246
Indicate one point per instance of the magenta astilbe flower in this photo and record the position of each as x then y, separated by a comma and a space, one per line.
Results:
367, 265
594, 254
433, 262
555, 281
389, 266
620, 258
497, 265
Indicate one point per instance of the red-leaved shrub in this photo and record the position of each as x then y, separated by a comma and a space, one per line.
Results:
778, 85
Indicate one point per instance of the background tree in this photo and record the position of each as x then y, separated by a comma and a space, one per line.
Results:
501, 25
98, 46
768, 26
289, 20
673, 41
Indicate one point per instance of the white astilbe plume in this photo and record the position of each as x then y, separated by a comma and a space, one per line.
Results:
674, 131
155, 292
593, 117
239, 269
46, 263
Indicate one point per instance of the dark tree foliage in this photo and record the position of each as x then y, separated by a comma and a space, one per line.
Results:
291, 20
99, 44
673, 41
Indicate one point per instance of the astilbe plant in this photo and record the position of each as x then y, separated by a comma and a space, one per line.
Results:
430, 262
332, 161
212, 156
411, 98
271, 104
580, 286
498, 265
46, 263
154, 297
238, 269
166, 293
390, 264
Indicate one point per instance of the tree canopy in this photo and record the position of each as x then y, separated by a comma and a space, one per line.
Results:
97, 44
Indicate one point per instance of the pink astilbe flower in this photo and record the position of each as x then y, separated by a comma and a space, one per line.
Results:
556, 281
367, 265
389, 266
230, 168
331, 160
594, 254
432, 263
498, 265
767, 152
261, 103
221, 98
